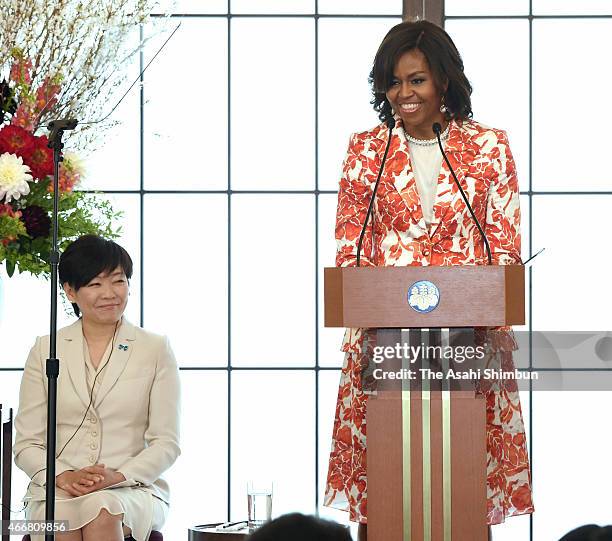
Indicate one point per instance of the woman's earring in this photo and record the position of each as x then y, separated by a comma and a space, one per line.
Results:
443, 108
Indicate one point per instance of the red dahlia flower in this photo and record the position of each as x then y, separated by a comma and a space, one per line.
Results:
14, 139
39, 157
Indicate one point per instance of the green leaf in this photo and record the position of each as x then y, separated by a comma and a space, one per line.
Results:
10, 268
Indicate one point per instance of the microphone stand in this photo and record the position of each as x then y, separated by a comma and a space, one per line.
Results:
57, 128
437, 129
390, 124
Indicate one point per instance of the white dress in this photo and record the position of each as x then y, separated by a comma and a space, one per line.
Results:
426, 163
141, 510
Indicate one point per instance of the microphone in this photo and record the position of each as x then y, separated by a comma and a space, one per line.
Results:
57, 128
390, 122
534, 256
63, 124
437, 129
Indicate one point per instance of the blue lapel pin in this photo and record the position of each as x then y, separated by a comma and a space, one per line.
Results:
123, 347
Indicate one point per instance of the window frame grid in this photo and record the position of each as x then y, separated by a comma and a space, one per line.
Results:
531, 193
316, 192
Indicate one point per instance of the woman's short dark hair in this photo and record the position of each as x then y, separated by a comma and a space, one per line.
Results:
444, 62
89, 256
298, 527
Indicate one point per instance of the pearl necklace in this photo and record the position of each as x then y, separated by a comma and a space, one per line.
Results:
427, 142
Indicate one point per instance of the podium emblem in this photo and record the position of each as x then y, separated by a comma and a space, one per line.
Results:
423, 296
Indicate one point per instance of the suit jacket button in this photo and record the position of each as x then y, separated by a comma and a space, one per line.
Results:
94, 446
92, 459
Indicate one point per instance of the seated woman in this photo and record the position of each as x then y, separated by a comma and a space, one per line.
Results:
118, 402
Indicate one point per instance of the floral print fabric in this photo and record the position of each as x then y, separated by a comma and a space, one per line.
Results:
397, 235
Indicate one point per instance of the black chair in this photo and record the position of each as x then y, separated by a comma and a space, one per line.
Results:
6, 448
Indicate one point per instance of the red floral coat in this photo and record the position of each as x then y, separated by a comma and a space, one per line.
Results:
398, 235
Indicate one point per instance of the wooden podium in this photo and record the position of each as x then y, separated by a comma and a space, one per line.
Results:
426, 448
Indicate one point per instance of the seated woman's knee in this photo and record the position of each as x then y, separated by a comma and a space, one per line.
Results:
105, 519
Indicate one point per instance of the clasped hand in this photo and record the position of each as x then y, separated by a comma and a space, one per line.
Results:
88, 479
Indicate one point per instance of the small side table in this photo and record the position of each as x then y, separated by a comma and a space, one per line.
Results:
208, 532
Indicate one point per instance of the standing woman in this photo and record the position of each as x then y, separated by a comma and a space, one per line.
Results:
117, 407
420, 218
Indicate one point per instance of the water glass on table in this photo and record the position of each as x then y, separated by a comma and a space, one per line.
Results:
259, 497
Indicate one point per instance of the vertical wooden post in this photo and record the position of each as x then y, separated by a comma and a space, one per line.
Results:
432, 10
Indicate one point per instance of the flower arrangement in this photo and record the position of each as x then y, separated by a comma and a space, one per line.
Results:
75, 56
26, 187
58, 59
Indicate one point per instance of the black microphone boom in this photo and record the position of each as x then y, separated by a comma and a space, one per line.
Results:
437, 129
57, 128
391, 124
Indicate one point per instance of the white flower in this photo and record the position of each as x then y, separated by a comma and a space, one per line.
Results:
74, 163
14, 177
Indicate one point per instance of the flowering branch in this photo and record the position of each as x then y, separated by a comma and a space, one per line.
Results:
76, 54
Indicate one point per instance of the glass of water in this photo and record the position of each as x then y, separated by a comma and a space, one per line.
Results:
259, 497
